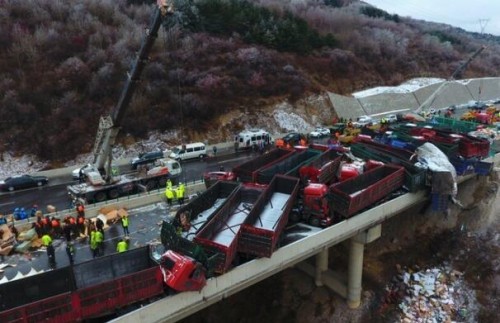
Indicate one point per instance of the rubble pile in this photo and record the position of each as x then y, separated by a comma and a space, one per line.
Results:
433, 295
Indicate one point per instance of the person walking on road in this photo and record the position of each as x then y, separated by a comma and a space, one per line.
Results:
125, 224
169, 183
122, 245
214, 148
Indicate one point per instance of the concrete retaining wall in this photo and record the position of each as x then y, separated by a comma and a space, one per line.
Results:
454, 93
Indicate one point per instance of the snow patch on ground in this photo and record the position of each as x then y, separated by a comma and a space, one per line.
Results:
11, 165
290, 121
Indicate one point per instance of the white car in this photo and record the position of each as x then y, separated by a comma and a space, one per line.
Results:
86, 168
319, 132
363, 121
324, 131
391, 118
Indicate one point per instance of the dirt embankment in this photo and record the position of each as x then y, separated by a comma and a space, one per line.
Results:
468, 239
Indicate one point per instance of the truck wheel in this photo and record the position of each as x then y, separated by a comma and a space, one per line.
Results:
295, 216
314, 221
113, 194
162, 182
99, 197
151, 185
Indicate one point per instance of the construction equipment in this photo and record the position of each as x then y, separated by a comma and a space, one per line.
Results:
106, 183
430, 100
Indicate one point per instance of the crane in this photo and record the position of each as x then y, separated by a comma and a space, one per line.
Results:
110, 125
428, 102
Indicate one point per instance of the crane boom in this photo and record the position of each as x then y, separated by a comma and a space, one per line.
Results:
109, 126
428, 102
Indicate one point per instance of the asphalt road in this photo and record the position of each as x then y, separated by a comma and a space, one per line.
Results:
55, 194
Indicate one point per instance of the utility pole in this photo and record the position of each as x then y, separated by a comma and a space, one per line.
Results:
482, 24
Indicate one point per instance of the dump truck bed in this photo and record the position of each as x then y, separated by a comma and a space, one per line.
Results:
287, 166
247, 172
203, 207
220, 235
360, 192
260, 234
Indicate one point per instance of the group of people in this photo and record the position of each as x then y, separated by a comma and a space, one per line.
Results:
71, 228
178, 192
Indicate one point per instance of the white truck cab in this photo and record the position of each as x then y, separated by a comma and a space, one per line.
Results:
166, 165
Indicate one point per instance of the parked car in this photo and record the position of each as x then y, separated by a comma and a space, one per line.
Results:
391, 118
319, 132
292, 137
363, 121
85, 169
24, 181
146, 158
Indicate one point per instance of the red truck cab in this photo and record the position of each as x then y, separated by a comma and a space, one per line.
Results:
315, 205
182, 273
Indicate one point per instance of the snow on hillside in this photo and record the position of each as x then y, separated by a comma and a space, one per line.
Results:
407, 87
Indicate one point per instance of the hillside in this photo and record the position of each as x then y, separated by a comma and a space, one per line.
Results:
217, 65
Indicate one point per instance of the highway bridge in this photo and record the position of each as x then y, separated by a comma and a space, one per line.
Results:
359, 230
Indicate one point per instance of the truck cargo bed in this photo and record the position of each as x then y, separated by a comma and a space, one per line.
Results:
203, 207
247, 171
260, 234
220, 235
288, 166
357, 193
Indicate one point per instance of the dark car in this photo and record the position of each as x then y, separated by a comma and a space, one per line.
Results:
24, 181
146, 158
292, 137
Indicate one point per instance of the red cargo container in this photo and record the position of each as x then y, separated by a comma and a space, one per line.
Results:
92, 289
260, 234
321, 170
358, 193
247, 172
219, 236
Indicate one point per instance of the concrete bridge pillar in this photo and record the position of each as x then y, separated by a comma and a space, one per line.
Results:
321, 266
355, 265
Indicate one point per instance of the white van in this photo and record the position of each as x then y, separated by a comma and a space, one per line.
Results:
248, 138
194, 150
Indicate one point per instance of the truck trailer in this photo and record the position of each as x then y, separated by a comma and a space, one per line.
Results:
98, 191
83, 291
287, 166
247, 172
262, 230
220, 235
358, 193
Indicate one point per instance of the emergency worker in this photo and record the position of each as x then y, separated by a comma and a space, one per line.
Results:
125, 224
99, 239
122, 246
180, 195
51, 254
70, 251
169, 193
93, 244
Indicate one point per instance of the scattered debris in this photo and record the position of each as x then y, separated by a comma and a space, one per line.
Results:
432, 295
